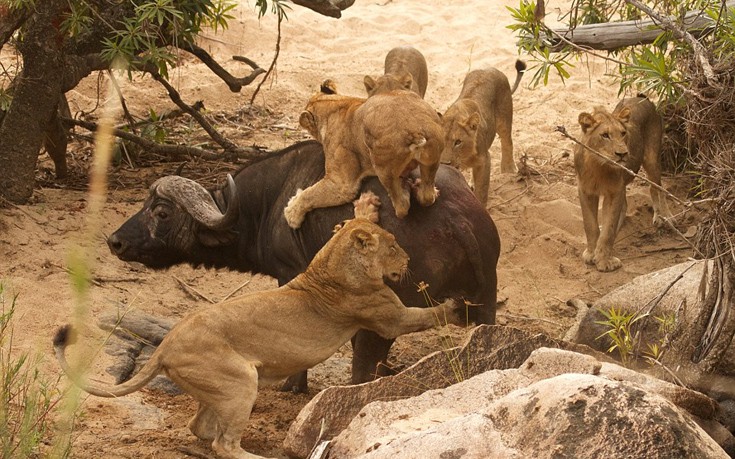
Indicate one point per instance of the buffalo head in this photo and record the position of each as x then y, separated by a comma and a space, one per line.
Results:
179, 222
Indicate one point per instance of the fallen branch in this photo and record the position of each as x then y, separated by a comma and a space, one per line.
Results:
167, 149
192, 291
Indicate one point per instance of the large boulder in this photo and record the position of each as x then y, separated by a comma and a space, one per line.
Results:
488, 347
557, 404
463, 383
675, 295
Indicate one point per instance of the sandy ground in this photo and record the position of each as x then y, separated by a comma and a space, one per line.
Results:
538, 215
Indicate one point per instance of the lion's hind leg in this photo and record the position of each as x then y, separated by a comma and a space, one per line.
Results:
226, 389
652, 166
204, 423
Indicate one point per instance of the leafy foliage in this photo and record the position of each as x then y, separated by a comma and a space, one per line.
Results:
658, 68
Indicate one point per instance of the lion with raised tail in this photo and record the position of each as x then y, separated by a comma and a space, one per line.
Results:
220, 354
483, 110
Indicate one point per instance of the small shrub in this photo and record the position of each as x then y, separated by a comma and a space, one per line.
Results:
27, 398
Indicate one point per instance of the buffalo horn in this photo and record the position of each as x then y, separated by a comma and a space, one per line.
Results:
198, 202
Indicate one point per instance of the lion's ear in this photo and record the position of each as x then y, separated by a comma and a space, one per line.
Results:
406, 81
308, 122
364, 239
587, 121
328, 87
369, 83
473, 122
624, 115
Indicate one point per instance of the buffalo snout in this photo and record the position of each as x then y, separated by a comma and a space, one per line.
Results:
117, 245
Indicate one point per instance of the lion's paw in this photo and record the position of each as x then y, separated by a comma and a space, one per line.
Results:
453, 312
588, 257
608, 264
366, 206
293, 213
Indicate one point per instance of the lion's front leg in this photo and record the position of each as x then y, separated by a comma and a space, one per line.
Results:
613, 213
589, 204
427, 193
327, 192
481, 177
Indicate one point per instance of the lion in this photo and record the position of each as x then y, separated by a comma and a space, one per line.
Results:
221, 354
483, 109
387, 135
405, 68
630, 136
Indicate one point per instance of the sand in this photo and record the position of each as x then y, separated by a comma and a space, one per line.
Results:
538, 215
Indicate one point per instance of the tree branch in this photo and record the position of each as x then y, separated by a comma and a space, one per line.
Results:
331, 8
235, 84
167, 149
615, 35
10, 20
176, 98
682, 34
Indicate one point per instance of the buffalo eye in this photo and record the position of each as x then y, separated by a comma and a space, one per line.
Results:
161, 213
457, 143
605, 135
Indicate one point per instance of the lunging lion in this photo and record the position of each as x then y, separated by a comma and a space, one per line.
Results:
220, 354
630, 136
405, 68
386, 135
483, 109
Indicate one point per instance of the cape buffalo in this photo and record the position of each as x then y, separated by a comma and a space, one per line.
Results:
453, 244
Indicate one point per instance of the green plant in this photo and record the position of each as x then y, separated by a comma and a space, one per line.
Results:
624, 333
28, 399
621, 332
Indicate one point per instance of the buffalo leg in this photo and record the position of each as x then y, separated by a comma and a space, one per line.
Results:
369, 350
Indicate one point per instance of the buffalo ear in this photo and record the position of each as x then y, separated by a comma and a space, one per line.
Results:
369, 83
364, 239
211, 238
587, 121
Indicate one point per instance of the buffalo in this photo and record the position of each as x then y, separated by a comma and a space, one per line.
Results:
453, 244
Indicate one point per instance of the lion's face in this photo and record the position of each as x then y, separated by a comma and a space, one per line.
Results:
606, 133
371, 252
461, 123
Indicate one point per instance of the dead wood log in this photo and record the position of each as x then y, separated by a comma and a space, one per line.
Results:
609, 36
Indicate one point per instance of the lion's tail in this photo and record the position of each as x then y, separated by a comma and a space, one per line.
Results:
520, 70
64, 337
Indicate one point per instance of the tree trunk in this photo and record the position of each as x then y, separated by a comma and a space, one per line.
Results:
36, 96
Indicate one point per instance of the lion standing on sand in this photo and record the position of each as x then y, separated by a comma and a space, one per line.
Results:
631, 136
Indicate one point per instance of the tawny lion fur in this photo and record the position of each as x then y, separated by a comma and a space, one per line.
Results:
386, 135
483, 110
405, 68
631, 136
221, 354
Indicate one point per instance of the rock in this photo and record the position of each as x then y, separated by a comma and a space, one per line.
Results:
557, 404
488, 347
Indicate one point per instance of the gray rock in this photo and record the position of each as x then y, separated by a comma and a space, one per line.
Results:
488, 347
557, 404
